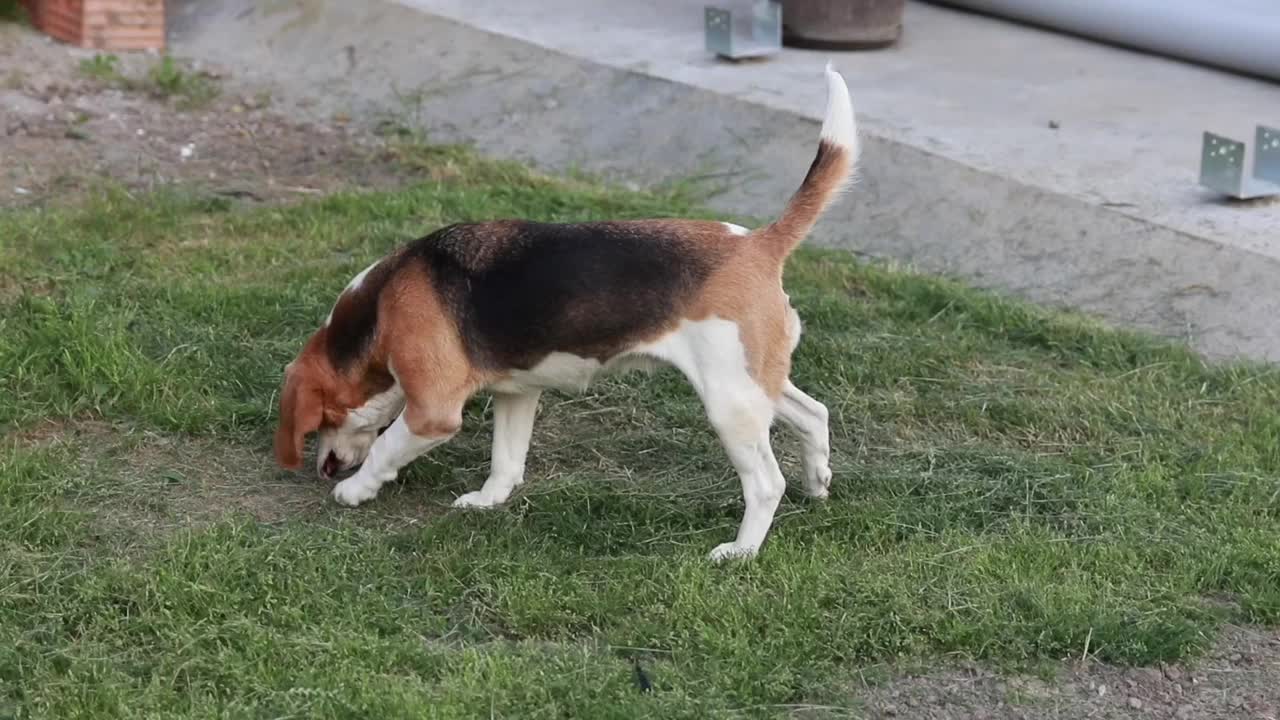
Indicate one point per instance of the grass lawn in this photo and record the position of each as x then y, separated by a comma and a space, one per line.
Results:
1011, 484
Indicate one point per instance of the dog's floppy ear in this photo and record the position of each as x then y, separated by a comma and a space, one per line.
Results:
301, 410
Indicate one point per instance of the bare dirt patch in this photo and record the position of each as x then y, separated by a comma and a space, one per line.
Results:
139, 487
141, 484
68, 121
1239, 678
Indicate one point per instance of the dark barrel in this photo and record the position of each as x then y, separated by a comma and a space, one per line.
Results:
841, 24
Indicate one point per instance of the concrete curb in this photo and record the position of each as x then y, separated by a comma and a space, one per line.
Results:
517, 100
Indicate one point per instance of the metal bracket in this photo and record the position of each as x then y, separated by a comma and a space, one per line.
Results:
761, 36
1222, 165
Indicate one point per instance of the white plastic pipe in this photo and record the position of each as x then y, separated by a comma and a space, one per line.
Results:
1241, 35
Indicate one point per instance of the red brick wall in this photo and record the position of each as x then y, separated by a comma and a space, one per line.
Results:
102, 24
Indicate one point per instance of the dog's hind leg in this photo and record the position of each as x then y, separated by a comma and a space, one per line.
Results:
712, 356
739, 415
808, 418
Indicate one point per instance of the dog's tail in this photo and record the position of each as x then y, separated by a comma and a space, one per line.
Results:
830, 172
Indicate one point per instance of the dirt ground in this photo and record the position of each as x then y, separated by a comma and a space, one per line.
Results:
63, 130
1236, 680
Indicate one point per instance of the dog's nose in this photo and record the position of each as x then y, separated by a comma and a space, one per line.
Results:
331, 465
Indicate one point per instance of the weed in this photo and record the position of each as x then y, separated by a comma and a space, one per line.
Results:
166, 79
102, 68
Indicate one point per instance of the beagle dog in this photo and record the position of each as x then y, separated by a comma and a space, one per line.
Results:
516, 307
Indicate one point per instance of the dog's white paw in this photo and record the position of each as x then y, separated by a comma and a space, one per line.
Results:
477, 500
353, 491
817, 481
733, 551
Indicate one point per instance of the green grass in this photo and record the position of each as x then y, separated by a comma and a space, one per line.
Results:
1011, 483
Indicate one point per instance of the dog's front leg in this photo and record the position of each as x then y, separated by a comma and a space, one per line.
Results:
513, 417
413, 433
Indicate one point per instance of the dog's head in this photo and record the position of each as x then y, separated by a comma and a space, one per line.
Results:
348, 409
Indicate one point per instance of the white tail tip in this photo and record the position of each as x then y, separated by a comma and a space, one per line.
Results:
839, 127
